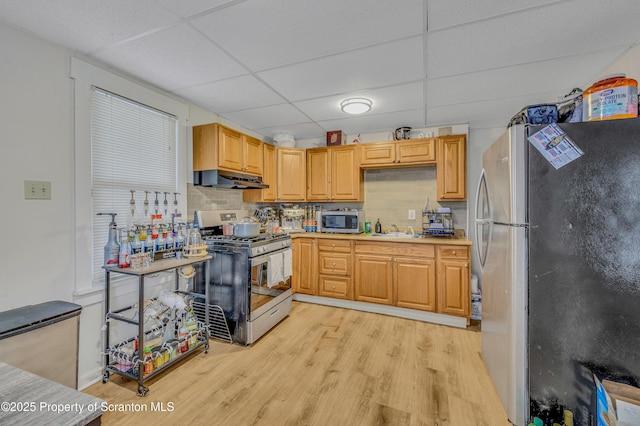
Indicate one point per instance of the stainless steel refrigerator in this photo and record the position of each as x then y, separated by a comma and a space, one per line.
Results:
559, 252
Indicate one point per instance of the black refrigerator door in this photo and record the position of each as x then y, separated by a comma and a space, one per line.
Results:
584, 266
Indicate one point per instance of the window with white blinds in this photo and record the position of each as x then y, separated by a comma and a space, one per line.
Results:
133, 147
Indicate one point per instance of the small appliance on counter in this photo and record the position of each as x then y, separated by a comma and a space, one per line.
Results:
292, 218
345, 221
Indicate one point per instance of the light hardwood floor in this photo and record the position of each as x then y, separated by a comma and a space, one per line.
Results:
322, 366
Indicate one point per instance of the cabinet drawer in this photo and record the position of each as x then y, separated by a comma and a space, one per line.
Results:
395, 249
453, 252
343, 246
331, 286
335, 263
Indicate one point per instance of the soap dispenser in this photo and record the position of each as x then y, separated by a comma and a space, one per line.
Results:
378, 227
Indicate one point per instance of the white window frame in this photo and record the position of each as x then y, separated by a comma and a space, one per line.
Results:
85, 76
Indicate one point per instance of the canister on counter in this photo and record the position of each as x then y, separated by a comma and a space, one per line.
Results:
367, 227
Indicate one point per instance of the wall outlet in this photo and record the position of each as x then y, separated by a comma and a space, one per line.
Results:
412, 215
37, 190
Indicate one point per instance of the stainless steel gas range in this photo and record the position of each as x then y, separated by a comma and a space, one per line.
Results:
250, 278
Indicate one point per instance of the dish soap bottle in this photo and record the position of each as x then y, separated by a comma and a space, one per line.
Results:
378, 227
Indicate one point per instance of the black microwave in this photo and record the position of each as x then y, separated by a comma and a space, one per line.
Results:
341, 221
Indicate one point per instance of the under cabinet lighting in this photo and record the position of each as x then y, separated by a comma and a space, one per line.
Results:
356, 105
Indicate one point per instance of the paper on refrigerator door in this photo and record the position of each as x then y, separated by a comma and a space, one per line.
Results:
555, 146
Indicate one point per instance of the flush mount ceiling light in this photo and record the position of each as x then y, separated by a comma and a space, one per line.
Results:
356, 105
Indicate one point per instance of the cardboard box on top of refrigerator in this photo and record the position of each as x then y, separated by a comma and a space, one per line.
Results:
626, 401
336, 138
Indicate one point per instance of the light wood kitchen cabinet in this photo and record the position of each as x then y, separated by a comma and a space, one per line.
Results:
335, 266
291, 174
218, 147
415, 283
451, 168
304, 266
412, 152
334, 174
398, 274
453, 280
374, 278
268, 177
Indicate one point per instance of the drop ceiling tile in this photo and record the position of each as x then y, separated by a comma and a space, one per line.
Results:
89, 24
376, 122
264, 34
389, 99
185, 9
484, 111
270, 116
346, 72
561, 29
173, 58
232, 94
562, 74
298, 131
447, 13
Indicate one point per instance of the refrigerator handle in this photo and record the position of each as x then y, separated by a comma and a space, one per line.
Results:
482, 193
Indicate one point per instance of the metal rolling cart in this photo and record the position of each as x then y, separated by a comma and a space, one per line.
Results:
119, 358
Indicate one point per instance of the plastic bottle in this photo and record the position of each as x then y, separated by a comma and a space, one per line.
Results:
611, 98
112, 248
124, 256
136, 245
148, 242
147, 360
378, 227
168, 239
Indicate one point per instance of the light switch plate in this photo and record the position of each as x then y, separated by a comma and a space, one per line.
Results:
412, 215
37, 190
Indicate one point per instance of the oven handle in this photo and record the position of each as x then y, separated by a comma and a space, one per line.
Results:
224, 250
265, 257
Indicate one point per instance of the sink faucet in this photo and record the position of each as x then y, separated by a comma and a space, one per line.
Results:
411, 231
393, 227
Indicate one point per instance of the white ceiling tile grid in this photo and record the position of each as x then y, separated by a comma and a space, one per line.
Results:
275, 66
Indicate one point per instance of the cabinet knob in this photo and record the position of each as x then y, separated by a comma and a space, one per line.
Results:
454, 252
333, 264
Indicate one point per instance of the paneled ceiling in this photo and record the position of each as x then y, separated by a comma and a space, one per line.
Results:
276, 66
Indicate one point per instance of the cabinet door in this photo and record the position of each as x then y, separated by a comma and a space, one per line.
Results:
318, 174
205, 145
453, 287
346, 175
291, 174
378, 153
334, 286
230, 151
418, 151
450, 169
304, 266
415, 281
374, 279
268, 177
253, 158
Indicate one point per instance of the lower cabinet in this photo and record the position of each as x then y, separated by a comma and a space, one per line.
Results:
398, 274
304, 266
426, 277
453, 280
415, 283
374, 278
335, 266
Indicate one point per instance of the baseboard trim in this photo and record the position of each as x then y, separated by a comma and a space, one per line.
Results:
394, 311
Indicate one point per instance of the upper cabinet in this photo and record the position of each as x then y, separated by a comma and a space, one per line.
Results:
451, 168
412, 152
333, 174
291, 174
269, 177
218, 147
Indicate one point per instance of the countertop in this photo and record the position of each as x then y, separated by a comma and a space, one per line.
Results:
454, 241
28, 399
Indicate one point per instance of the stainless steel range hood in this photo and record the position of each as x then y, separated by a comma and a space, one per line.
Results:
227, 180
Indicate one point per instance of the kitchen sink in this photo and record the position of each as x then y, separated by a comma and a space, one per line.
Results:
395, 235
